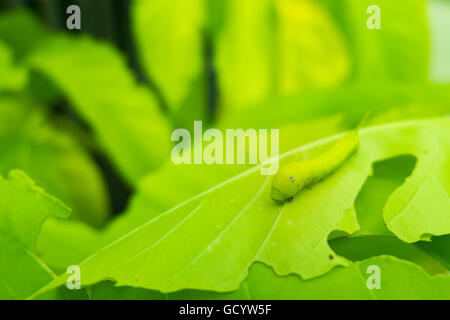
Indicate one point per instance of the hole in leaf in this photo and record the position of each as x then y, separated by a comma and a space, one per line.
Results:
363, 247
387, 176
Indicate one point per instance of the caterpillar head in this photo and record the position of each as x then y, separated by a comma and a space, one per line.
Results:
288, 181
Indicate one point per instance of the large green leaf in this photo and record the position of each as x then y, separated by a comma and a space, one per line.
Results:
53, 158
173, 184
236, 223
23, 209
123, 114
387, 175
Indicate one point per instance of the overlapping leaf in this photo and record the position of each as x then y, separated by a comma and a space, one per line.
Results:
23, 209
53, 158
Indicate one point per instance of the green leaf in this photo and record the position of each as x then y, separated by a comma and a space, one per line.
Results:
16, 221
12, 78
123, 114
173, 59
374, 238
23, 209
419, 208
291, 238
387, 175
158, 192
53, 158
173, 184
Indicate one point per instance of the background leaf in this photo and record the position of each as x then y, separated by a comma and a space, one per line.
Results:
28, 32
11, 77
174, 60
259, 54
398, 51
123, 114
53, 158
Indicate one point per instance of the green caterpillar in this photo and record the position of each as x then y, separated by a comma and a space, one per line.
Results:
297, 175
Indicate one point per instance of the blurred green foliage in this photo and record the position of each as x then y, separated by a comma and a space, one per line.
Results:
89, 119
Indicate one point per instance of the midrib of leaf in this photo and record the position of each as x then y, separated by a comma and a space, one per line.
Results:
29, 253
274, 225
